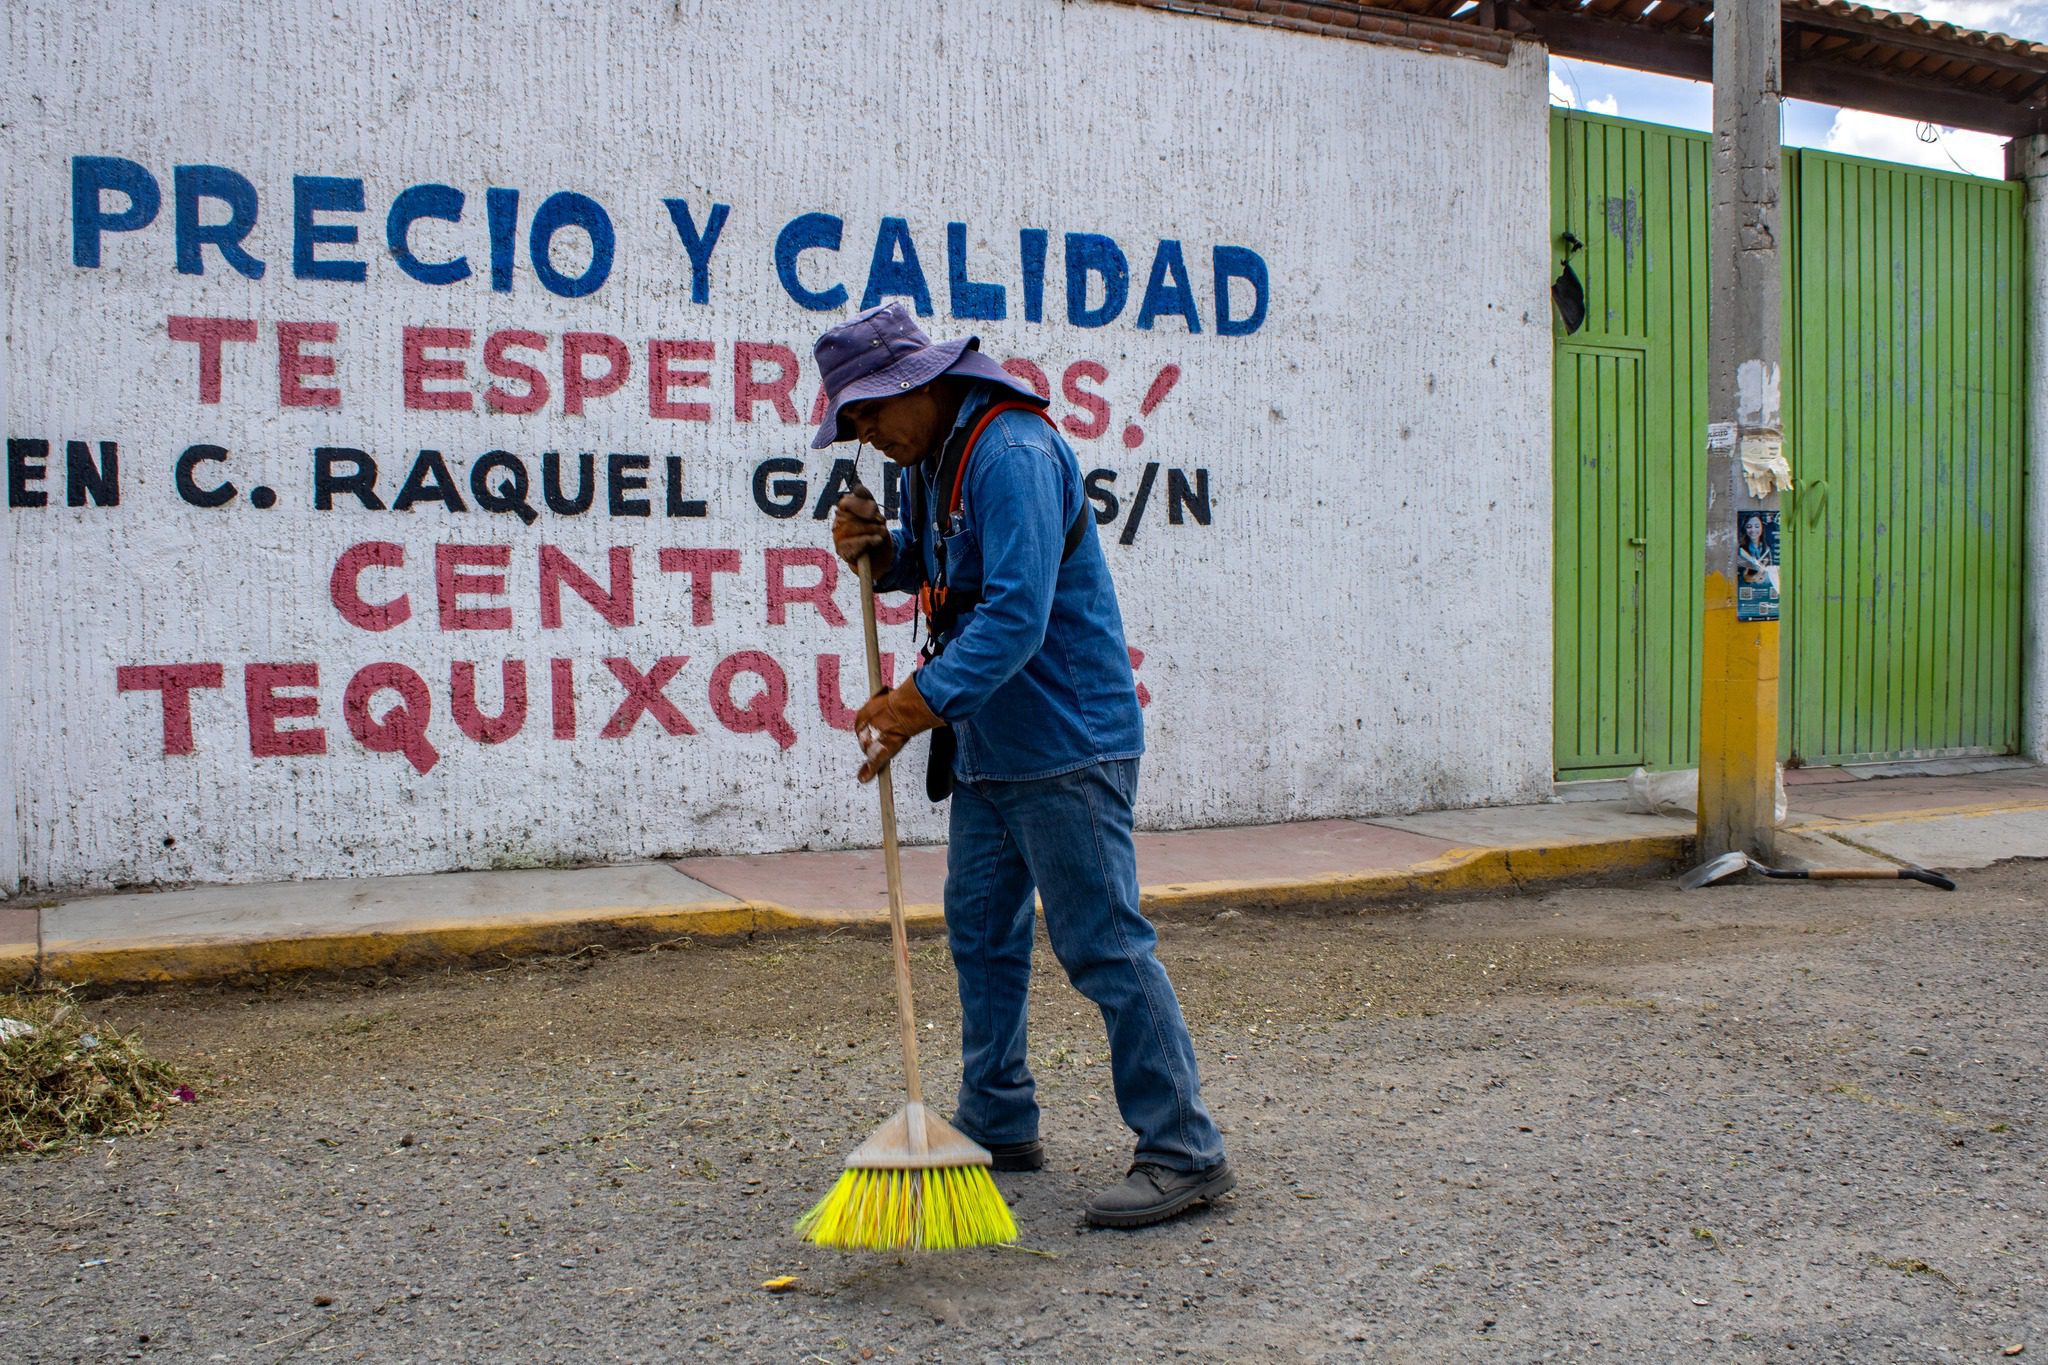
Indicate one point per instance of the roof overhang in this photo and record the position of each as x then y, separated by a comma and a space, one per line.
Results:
1834, 52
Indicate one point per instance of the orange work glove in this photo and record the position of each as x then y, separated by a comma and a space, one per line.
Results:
858, 529
888, 721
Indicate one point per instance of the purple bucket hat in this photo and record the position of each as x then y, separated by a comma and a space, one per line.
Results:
882, 353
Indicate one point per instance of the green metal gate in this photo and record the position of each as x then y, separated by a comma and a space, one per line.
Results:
1904, 349
1906, 416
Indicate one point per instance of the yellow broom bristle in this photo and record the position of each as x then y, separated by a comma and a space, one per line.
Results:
940, 1209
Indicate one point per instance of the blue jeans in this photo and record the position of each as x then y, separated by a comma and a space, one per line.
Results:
1069, 837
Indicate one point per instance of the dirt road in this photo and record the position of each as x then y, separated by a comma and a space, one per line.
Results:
1776, 1122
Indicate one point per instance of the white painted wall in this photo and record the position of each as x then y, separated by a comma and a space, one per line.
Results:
10, 828
1364, 627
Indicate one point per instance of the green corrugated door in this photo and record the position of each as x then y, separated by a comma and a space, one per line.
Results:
1904, 350
1635, 194
1600, 560
1906, 414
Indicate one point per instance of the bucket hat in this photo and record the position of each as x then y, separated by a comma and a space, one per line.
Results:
882, 352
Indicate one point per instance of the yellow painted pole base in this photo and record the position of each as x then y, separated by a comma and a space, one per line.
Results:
1738, 729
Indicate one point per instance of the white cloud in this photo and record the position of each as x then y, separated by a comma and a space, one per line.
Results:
1857, 132
1560, 93
1606, 104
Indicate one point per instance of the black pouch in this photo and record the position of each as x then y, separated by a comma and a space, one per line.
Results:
1570, 296
938, 770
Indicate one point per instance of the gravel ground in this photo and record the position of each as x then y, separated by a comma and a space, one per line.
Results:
1776, 1122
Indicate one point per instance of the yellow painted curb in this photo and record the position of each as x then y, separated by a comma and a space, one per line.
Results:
1907, 817
1457, 871
419, 944
441, 942
17, 964
437, 943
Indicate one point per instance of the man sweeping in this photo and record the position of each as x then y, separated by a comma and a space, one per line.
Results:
1027, 686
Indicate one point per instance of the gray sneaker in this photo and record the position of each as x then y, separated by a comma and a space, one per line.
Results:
1152, 1194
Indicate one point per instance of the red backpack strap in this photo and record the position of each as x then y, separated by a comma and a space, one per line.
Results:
989, 414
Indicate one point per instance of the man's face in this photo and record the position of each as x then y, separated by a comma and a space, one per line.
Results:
906, 427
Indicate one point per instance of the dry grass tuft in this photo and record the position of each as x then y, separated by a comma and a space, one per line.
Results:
64, 1078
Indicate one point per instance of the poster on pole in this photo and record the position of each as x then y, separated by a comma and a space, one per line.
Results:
1756, 565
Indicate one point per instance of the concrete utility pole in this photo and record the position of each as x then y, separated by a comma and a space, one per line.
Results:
1745, 441
2026, 160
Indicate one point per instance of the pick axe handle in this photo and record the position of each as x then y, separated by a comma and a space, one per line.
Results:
1884, 874
899, 935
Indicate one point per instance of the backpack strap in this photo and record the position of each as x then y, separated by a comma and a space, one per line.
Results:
943, 607
988, 414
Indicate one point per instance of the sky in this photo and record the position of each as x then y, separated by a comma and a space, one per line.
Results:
1689, 104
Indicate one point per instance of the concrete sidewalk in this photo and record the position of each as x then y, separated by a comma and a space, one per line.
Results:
1955, 815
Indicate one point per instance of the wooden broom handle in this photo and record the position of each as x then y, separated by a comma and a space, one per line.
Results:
899, 935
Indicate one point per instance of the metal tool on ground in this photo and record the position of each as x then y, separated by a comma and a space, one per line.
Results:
1728, 864
919, 1182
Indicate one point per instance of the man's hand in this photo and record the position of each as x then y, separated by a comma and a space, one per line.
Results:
858, 529
888, 721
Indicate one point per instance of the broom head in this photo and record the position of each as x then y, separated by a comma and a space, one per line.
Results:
917, 1184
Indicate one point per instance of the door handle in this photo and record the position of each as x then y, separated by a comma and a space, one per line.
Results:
1815, 494
1638, 541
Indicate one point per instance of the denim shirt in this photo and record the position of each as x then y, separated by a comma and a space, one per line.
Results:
1035, 681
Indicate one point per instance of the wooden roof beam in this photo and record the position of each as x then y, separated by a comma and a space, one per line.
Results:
1620, 44
1904, 97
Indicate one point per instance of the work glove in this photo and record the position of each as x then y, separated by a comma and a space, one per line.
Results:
888, 721
858, 529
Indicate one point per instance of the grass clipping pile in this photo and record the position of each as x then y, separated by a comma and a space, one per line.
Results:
63, 1079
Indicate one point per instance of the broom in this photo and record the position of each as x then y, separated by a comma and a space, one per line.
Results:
918, 1182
